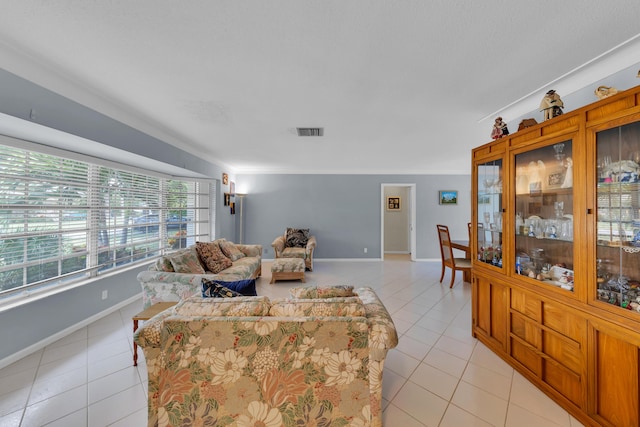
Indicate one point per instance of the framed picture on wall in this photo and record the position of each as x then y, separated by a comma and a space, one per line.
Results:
448, 197
227, 199
393, 203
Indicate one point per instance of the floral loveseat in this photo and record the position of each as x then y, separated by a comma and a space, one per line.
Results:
249, 361
179, 275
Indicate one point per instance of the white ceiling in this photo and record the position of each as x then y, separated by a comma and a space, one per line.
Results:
399, 86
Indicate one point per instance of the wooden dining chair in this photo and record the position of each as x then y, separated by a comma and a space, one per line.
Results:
448, 260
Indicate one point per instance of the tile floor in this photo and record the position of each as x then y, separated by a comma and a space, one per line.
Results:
437, 376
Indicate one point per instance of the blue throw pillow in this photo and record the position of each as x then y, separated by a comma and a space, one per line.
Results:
214, 290
243, 287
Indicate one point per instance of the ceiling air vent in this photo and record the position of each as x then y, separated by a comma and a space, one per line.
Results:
310, 131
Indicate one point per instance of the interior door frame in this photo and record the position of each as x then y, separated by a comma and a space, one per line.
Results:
412, 216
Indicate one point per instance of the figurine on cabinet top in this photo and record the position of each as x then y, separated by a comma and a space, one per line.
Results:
551, 105
499, 129
603, 92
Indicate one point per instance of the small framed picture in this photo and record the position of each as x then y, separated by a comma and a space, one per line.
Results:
393, 203
448, 197
227, 199
225, 179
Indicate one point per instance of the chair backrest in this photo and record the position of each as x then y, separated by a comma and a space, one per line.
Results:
445, 244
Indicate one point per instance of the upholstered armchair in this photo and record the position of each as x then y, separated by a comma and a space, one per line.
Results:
295, 243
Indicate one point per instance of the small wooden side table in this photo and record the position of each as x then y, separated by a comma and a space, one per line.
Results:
146, 315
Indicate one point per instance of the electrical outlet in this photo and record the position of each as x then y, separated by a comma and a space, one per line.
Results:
105, 294
365, 250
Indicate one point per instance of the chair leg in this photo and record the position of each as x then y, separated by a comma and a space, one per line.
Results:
453, 277
442, 274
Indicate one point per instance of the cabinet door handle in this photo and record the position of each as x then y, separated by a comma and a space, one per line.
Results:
589, 211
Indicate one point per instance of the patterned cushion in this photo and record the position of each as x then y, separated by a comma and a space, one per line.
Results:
186, 262
240, 306
244, 287
212, 257
230, 250
297, 237
322, 292
214, 290
343, 307
163, 264
288, 265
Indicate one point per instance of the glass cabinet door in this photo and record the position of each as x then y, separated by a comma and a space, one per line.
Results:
489, 209
618, 216
543, 215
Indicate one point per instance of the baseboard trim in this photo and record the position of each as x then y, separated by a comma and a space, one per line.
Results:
334, 259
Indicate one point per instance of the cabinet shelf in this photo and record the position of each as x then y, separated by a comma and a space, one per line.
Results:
544, 239
547, 191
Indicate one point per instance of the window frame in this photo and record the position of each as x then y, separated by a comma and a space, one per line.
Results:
101, 222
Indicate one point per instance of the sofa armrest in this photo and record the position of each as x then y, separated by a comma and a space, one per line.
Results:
311, 244
148, 335
250, 250
278, 245
383, 332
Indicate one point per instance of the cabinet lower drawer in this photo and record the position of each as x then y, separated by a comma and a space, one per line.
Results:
565, 381
525, 329
526, 355
564, 351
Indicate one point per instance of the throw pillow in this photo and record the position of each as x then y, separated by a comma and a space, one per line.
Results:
322, 292
163, 264
244, 287
187, 262
214, 290
212, 257
230, 250
240, 306
297, 237
342, 307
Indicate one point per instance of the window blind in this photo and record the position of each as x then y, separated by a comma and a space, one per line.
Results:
63, 219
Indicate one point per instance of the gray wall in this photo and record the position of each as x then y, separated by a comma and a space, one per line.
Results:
344, 211
42, 318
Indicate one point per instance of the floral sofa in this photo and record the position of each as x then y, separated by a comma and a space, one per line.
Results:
179, 275
249, 361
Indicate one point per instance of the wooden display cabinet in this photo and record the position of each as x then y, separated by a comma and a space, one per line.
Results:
556, 270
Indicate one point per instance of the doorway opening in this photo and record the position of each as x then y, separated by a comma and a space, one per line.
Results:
398, 218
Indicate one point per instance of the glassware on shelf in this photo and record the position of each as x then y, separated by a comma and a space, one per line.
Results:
488, 185
497, 220
558, 208
559, 148
566, 229
618, 216
519, 223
